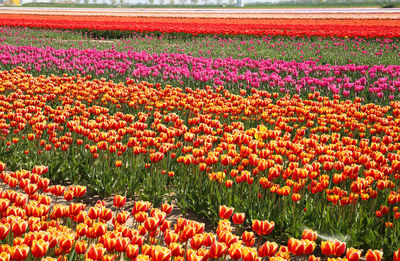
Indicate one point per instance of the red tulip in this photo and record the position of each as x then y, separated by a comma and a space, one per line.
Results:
268, 249
19, 227
373, 255
4, 230
119, 201
225, 212
248, 238
132, 251
249, 254
309, 234
340, 248
217, 250
327, 248
353, 254
80, 247
235, 251
121, 244
96, 252
39, 248
166, 208
263, 227
19, 252
238, 218
160, 253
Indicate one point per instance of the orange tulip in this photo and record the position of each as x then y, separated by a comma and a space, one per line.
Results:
196, 241
94, 213
327, 248
121, 244
4, 230
235, 251
170, 237
19, 227
353, 254
268, 249
248, 238
119, 201
151, 223
309, 247
122, 217
238, 218
296, 247
99, 229
249, 254
39, 248
132, 251
309, 234
4, 256
373, 255
340, 248
217, 250
225, 212
263, 227
80, 247
160, 253
208, 239
66, 242
4, 204
166, 208
19, 252
95, 252
176, 249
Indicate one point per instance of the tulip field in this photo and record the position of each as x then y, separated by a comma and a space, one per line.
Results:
283, 134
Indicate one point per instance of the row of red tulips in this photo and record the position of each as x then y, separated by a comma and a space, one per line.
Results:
195, 26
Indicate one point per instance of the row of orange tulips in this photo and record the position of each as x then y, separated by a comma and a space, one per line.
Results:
271, 157
33, 226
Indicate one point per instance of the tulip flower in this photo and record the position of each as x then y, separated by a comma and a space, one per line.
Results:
80, 247
39, 248
121, 244
132, 251
238, 218
268, 249
248, 238
19, 227
19, 252
160, 254
4, 230
263, 227
309, 234
327, 248
249, 254
95, 252
235, 251
396, 256
373, 255
225, 212
353, 254
119, 201
217, 250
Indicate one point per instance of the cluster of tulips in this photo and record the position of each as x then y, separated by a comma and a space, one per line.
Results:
271, 157
371, 82
196, 26
35, 225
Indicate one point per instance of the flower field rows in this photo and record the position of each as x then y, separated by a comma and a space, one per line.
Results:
195, 26
298, 135
35, 226
289, 77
